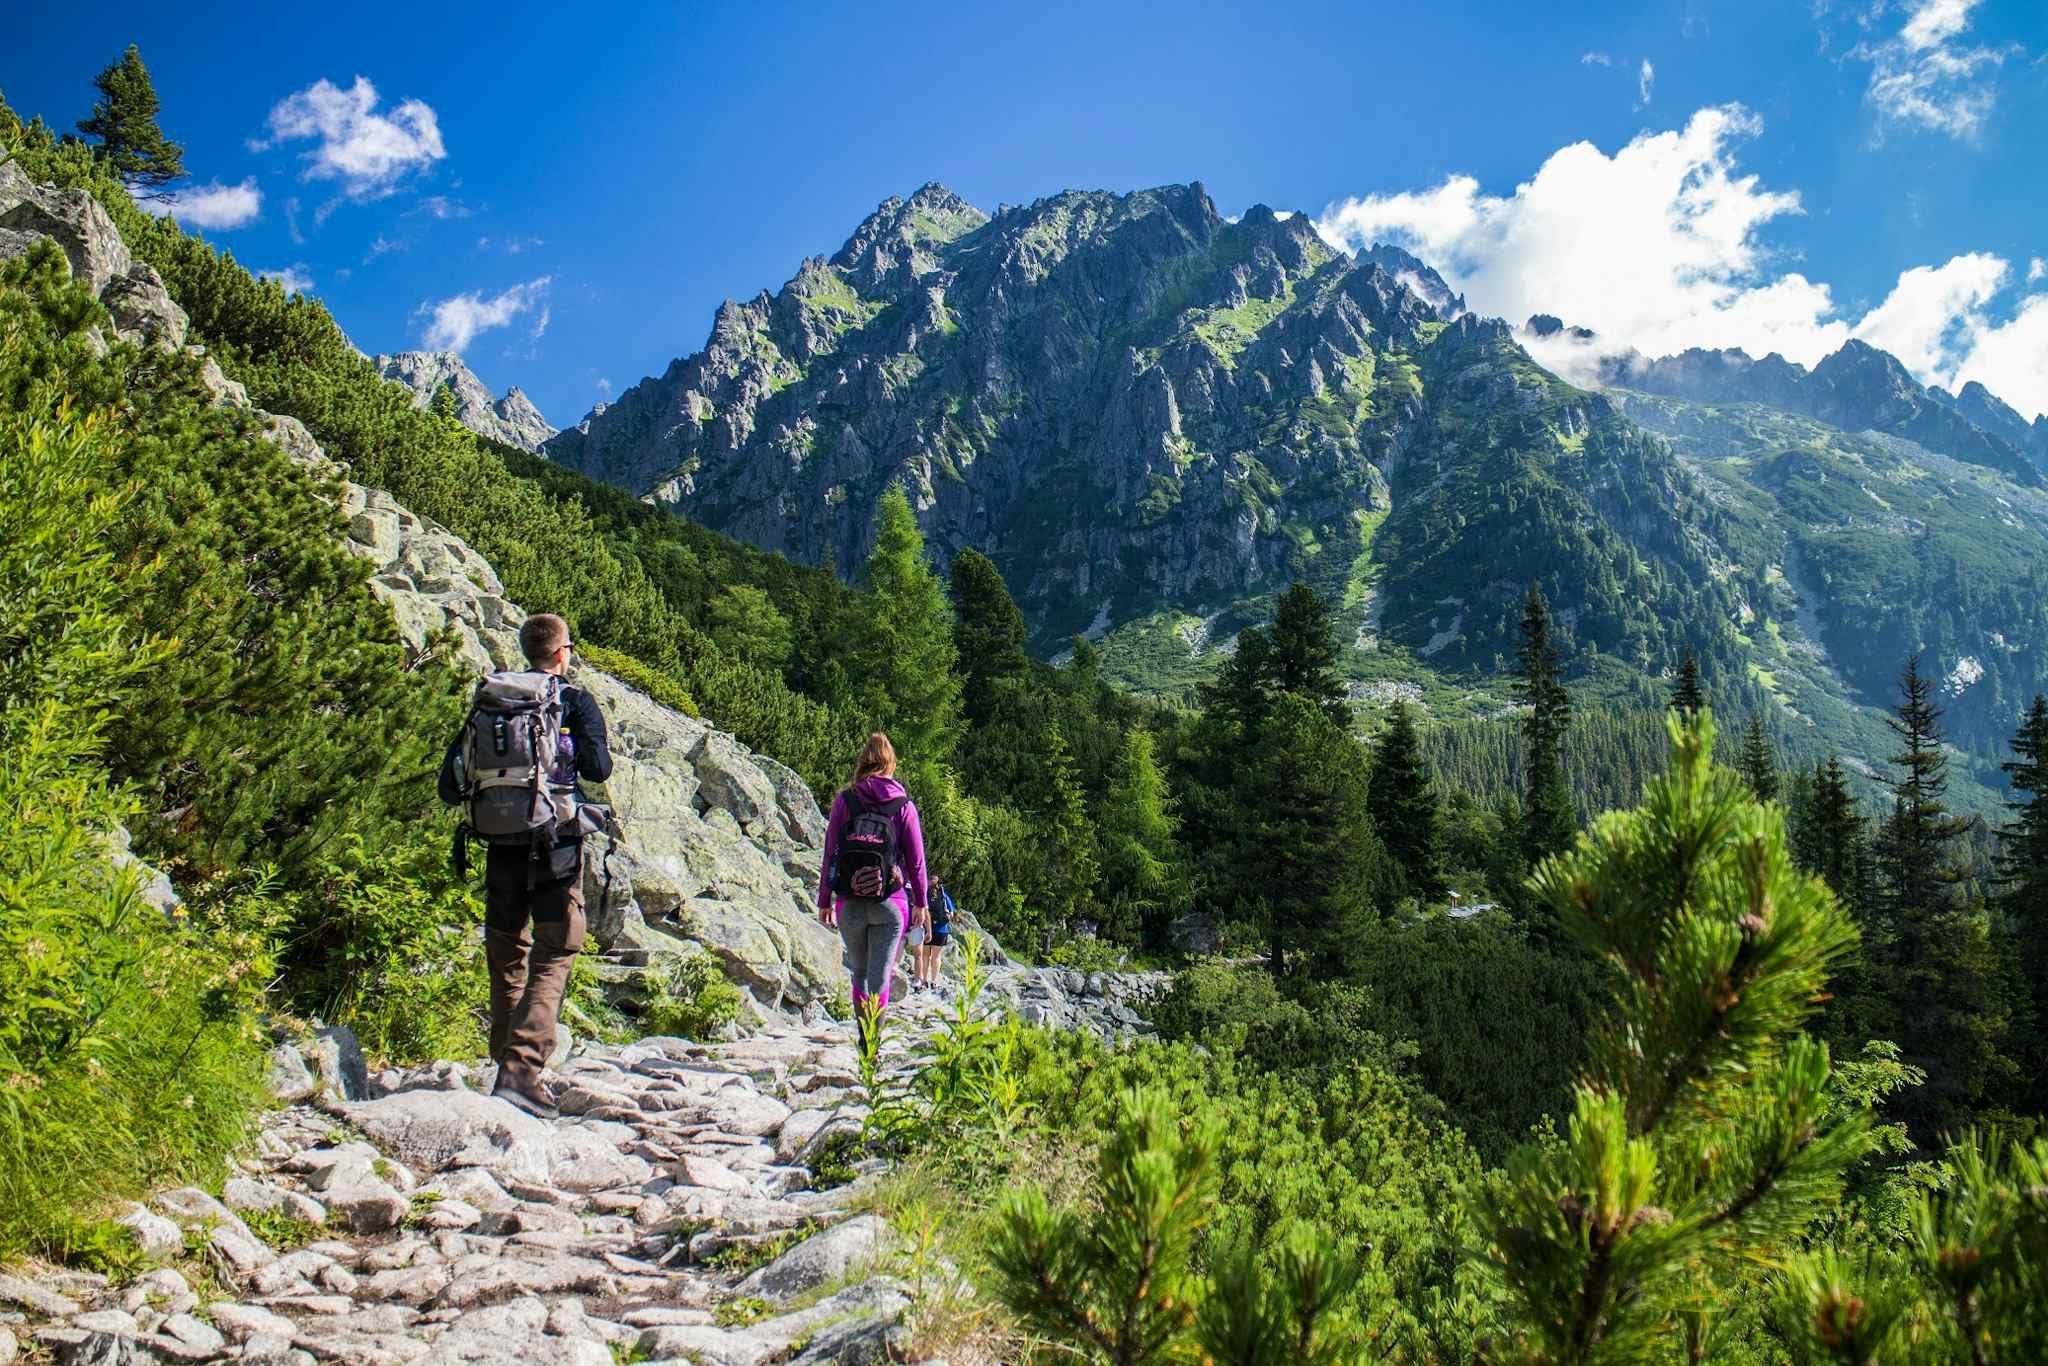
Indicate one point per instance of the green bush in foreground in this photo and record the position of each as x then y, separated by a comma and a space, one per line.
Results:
126, 1050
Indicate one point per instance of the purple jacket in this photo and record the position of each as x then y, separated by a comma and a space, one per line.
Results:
909, 842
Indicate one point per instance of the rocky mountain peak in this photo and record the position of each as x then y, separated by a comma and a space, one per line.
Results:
1411, 271
512, 419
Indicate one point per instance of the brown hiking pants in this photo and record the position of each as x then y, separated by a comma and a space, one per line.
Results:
531, 937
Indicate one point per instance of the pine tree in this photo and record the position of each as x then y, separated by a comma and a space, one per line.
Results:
1938, 968
1916, 850
988, 632
1072, 862
1243, 686
1305, 858
1759, 762
1303, 658
124, 120
1404, 807
1834, 839
1685, 692
1141, 873
906, 664
1547, 820
2023, 882
1704, 1135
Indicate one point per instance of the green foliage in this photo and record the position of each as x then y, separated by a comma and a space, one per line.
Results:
906, 665
127, 1050
630, 671
693, 999
1702, 1133
1141, 860
2023, 884
1547, 821
124, 121
744, 618
1404, 807
1119, 1284
988, 632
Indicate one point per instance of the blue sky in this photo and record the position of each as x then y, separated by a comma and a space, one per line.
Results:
569, 193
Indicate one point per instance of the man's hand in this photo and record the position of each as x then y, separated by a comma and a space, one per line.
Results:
922, 918
828, 916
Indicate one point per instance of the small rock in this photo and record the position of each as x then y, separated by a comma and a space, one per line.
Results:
155, 1235
826, 1257
242, 1250
705, 1345
702, 1171
368, 1207
242, 1322
338, 1060
30, 1296
289, 1078
193, 1332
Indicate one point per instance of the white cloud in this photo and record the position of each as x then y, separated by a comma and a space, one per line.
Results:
293, 277
1656, 246
212, 206
442, 207
1662, 246
540, 323
1923, 317
384, 246
604, 386
1596, 59
1645, 79
369, 152
1925, 78
2036, 268
291, 220
454, 323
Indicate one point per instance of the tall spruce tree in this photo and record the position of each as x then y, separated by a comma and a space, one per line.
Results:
2023, 885
1547, 820
1759, 762
988, 632
1072, 861
1303, 657
1686, 695
906, 664
1307, 860
1938, 968
1403, 803
1141, 873
1833, 839
124, 121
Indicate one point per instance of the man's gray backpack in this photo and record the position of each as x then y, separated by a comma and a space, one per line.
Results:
516, 767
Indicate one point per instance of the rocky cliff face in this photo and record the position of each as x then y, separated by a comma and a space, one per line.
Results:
512, 419
1131, 404
1858, 388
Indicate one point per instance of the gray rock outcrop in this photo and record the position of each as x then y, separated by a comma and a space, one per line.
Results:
512, 419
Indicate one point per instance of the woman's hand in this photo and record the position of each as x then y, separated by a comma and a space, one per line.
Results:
828, 916
922, 918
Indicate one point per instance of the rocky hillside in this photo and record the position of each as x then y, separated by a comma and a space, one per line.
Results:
512, 419
1136, 406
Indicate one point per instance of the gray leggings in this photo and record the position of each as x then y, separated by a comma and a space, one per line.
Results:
872, 932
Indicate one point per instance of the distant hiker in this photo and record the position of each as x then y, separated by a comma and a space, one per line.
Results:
514, 768
872, 881
941, 933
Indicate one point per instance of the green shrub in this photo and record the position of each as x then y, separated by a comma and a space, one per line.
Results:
692, 999
127, 1049
634, 674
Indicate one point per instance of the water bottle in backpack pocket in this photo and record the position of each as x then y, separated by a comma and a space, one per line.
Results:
509, 745
865, 863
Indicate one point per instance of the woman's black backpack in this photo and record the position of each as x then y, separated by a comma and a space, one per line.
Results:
865, 864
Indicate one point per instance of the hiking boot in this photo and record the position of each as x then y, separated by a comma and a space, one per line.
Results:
528, 1097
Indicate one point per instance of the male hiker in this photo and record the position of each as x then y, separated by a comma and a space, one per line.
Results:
514, 768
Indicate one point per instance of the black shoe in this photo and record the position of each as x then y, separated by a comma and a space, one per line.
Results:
533, 1102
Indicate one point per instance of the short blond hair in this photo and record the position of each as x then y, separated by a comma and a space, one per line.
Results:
541, 635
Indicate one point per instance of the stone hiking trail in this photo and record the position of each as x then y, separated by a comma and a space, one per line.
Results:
455, 1228
451, 1227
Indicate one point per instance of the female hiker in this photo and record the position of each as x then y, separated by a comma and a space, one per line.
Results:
872, 881
941, 912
